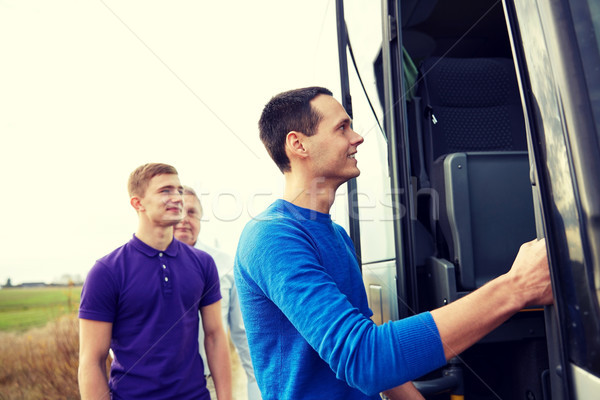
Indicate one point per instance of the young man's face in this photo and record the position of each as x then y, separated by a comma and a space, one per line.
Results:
163, 202
333, 146
188, 228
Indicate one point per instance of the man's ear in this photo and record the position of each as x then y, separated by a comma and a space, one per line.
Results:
294, 143
136, 203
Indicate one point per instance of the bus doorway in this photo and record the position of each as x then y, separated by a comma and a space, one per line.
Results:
478, 118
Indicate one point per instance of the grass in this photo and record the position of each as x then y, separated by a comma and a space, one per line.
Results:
25, 308
40, 363
39, 343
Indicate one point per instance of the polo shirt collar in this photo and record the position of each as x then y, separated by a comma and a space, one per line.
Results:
142, 247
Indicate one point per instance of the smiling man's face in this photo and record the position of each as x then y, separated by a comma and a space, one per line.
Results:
163, 200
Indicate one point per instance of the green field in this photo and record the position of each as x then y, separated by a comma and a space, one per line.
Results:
24, 308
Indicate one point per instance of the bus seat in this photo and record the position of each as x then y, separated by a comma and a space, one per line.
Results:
470, 104
413, 12
486, 209
470, 151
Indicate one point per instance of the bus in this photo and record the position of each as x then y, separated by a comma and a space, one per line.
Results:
481, 121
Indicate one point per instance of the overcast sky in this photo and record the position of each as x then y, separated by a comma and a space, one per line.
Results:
89, 90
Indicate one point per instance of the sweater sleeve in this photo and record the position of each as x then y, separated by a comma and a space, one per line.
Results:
285, 266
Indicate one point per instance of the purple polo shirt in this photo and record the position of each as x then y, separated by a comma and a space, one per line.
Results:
152, 298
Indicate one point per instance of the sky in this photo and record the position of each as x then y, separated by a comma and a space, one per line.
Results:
89, 90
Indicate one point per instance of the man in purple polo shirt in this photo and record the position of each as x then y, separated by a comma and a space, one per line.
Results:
142, 302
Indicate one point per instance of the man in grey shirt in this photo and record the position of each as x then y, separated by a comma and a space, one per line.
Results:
187, 231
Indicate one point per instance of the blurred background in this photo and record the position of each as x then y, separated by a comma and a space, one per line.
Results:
89, 90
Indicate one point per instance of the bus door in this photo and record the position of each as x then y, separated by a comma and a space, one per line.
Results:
482, 119
557, 48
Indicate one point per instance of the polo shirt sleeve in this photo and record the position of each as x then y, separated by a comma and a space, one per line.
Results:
212, 288
99, 295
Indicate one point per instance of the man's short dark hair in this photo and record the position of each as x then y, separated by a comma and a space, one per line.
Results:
286, 112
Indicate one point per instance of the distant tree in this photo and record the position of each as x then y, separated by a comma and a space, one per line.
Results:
77, 279
8, 283
68, 280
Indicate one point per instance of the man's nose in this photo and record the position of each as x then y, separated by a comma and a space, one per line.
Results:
356, 139
176, 197
185, 219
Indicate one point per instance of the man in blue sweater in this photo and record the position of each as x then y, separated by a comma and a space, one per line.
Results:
303, 300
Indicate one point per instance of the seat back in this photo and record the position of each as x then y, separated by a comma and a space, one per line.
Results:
486, 208
470, 105
474, 146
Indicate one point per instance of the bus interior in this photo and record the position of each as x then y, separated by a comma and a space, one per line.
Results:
447, 102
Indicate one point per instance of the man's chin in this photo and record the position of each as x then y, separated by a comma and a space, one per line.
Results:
184, 239
352, 175
172, 221
182, 236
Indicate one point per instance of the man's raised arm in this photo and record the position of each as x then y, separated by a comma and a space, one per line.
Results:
465, 321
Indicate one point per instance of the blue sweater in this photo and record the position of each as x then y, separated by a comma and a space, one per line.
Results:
307, 318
